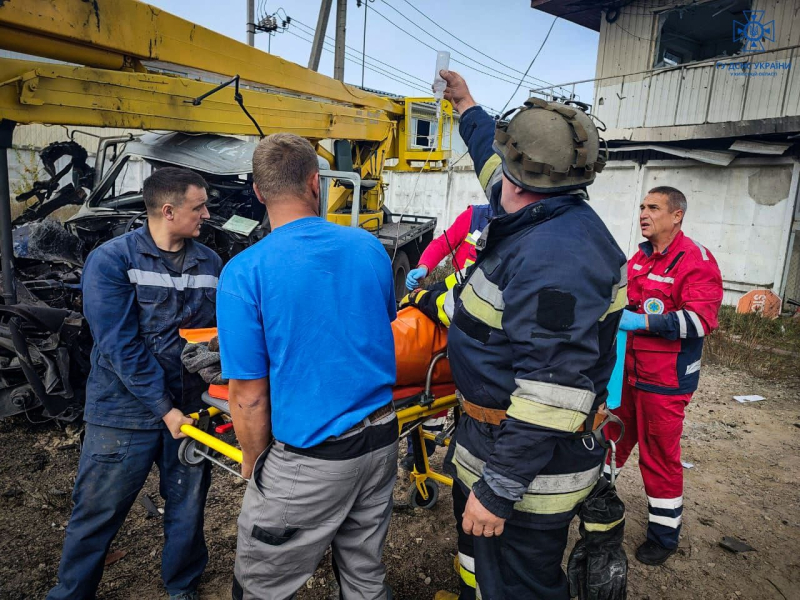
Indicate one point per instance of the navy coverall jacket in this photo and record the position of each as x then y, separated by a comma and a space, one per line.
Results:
134, 306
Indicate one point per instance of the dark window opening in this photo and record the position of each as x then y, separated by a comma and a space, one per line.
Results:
422, 134
700, 32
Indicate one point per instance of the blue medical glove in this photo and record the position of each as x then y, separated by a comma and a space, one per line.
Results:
412, 281
632, 321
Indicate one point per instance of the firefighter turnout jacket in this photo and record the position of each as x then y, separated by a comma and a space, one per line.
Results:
680, 290
533, 325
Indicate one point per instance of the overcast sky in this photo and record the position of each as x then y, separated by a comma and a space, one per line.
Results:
508, 31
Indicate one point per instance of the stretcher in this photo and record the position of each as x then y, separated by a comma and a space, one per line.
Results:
414, 404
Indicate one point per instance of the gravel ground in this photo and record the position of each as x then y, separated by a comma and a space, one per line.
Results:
743, 484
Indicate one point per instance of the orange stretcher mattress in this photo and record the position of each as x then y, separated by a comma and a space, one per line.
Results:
399, 393
417, 340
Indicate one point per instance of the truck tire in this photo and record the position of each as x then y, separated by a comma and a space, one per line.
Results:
400, 267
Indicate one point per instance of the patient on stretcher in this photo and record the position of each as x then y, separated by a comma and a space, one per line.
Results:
417, 340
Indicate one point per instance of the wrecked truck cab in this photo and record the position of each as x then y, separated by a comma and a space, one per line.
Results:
45, 341
116, 205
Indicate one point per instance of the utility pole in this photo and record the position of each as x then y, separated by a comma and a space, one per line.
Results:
364, 43
341, 27
251, 23
319, 34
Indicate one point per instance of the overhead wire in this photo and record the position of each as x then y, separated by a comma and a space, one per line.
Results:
349, 57
468, 45
496, 75
423, 86
368, 57
378, 70
425, 83
455, 60
546, 37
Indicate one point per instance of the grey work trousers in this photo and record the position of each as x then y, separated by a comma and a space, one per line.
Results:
296, 506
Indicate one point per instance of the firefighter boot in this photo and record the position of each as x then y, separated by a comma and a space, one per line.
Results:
443, 595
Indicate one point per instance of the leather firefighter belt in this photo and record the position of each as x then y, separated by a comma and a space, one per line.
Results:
595, 421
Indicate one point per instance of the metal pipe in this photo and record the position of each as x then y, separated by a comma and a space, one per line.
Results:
214, 443
6, 237
355, 178
429, 375
415, 412
219, 463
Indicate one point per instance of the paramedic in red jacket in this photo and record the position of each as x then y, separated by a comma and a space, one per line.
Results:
459, 240
674, 294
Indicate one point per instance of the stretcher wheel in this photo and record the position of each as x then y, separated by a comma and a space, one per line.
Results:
188, 455
415, 500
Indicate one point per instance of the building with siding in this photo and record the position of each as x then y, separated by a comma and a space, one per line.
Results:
703, 96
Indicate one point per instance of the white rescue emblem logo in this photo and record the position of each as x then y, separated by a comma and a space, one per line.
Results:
653, 306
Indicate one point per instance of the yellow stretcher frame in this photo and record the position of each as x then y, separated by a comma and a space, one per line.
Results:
411, 418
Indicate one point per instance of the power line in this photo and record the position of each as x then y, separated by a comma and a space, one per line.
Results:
455, 60
353, 56
510, 68
349, 57
496, 75
373, 68
425, 84
549, 31
358, 52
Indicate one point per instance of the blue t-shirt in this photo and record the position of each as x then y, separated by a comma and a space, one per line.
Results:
310, 307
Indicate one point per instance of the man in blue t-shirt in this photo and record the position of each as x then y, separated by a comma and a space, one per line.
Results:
306, 342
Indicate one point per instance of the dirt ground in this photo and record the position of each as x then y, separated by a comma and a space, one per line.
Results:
744, 484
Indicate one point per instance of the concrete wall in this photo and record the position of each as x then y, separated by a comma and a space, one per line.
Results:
442, 195
741, 213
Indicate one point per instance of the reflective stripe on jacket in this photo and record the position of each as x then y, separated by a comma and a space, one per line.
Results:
681, 291
134, 306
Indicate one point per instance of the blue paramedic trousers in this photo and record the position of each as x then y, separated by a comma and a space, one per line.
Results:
113, 468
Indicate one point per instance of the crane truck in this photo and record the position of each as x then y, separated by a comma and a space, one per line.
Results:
190, 97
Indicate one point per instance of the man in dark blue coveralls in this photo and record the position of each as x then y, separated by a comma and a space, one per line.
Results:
532, 327
138, 290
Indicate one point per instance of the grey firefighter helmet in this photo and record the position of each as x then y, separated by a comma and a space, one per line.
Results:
549, 147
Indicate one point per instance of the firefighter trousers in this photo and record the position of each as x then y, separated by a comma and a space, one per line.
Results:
655, 422
521, 563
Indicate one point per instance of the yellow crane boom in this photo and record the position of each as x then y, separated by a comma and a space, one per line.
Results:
126, 64
129, 35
